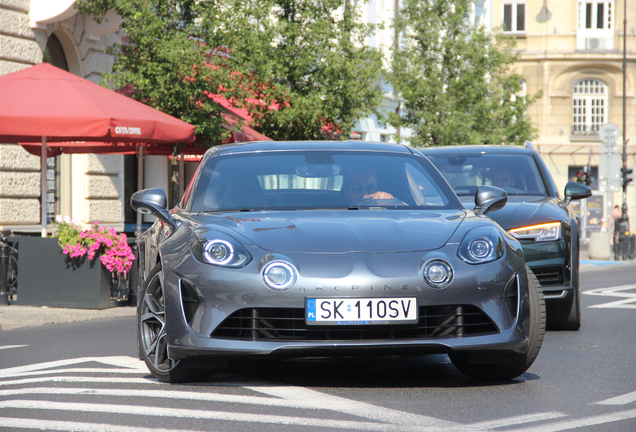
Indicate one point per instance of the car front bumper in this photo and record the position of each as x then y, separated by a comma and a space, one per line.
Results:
202, 300
551, 263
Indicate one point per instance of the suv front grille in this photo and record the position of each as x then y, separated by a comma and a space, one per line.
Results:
548, 277
289, 324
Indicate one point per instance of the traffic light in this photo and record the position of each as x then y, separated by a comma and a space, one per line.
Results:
628, 175
579, 177
584, 177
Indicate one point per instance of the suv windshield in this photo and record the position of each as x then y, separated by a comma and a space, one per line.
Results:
516, 174
304, 180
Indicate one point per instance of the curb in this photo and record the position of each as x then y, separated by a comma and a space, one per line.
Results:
16, 317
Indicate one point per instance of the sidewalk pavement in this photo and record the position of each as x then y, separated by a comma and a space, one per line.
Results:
15, 317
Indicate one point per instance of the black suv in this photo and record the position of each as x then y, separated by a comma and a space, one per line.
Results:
535, 214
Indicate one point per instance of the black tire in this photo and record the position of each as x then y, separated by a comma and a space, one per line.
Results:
566, 317
511, 365
151, 336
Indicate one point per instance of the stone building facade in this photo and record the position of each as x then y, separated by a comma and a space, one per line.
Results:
86, 187
572, 50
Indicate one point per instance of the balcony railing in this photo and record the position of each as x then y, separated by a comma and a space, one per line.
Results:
585, 130
602, 40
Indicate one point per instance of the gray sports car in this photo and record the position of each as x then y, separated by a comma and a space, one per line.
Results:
305, 249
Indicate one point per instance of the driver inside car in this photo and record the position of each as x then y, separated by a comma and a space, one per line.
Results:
501, 178
363, 186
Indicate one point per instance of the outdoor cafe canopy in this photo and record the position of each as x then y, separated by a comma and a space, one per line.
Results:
46, 104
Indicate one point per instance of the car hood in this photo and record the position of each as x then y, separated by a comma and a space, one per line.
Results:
327, 231
525, 210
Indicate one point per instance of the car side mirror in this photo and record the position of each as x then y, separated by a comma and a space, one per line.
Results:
489, 198
153, 202
576, 191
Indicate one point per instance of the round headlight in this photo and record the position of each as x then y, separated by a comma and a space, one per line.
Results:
218, 252
480, 248
481, 245
279, 275
216, 248
438, 274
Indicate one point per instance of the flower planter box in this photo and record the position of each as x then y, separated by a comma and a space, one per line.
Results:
47, 277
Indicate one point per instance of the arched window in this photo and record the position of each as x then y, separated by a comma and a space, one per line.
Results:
589, 109
54, 53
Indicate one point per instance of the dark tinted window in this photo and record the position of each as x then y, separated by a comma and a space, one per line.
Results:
317, 179
516, 174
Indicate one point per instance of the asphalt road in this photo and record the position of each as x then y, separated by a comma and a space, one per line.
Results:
85, 376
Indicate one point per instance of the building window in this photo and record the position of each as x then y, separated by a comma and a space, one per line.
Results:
595, 25
514, 17
523, 91
589, 110
596, 15
54, 53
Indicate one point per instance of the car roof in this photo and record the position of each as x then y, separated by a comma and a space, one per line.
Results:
502, 149
351, 145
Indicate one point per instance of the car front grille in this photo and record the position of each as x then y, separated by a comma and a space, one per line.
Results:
548, 277
289, 324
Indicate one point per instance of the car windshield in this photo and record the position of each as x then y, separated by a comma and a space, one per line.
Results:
516, 174
305, 180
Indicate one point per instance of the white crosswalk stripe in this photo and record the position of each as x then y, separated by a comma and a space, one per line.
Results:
26, 390
628, 299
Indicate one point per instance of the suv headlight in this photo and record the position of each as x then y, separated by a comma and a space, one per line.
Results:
481, 245
541, 232
219, 249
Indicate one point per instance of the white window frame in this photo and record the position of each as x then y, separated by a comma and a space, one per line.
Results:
595, 37
514, 12
589, 106
607, 22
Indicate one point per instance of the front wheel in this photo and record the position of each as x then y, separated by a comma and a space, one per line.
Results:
151, 334
508, 366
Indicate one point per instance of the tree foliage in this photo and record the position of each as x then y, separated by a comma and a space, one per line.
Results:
299, 67
456, 79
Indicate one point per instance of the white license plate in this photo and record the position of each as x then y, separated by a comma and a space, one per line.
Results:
361, 311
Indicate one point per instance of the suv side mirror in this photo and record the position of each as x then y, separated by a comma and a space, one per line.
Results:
489, 198
576, 191
153, 202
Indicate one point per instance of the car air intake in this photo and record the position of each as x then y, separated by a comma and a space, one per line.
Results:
189, 300
548, 277
511, 295
289, 324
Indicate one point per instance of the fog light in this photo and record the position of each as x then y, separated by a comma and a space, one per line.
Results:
279, 275
438, 274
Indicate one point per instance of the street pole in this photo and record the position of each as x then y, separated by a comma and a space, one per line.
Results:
624, 221
396, 95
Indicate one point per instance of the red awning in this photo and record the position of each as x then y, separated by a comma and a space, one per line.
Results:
45, 101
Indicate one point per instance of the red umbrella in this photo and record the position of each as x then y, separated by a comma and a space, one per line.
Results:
44, 100
246, 133
46, 104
